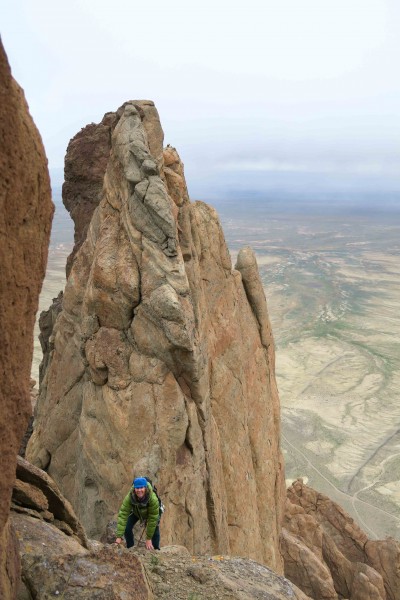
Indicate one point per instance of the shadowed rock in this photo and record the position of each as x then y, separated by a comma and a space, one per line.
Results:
56, 565
329, 557
47, 320
25, 218
162, 362
35, 490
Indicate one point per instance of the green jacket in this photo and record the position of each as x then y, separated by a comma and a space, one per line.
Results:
148, 512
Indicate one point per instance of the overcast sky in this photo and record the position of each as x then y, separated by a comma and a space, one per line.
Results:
259, 85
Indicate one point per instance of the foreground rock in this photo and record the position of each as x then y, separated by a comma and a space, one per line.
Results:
57, 560
329, 557
25, 219
161, 361
37, 495
175, 575
56, 557
54, 564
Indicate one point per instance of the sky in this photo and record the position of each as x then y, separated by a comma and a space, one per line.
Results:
252, 91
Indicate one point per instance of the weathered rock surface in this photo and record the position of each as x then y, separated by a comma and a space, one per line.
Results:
329, 557
57, 562
162, 359
54, 564
36, 494
33, 392
25, 219
175, 575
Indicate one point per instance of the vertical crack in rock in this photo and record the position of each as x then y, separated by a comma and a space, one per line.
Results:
166, 352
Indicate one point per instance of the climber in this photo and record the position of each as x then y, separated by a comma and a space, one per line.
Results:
140, 504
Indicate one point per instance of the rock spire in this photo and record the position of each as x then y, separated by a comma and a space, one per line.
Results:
161, 361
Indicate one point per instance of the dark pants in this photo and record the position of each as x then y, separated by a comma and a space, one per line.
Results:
131, 522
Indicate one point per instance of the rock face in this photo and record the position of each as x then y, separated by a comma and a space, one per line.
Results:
25, 220
47, 320
329, 557
85, 164
58, 561
56, 557
162, 359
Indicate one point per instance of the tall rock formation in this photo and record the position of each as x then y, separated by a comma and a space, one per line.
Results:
25, 220
162, 359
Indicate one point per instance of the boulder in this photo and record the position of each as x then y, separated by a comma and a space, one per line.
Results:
25, 219
57, 565
162, 358
36, 491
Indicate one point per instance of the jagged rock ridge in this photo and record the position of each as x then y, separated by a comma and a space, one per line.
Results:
162, 359
329, 557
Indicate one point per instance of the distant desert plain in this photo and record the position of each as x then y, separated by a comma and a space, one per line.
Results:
332, 282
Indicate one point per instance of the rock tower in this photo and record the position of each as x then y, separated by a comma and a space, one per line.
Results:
161, 361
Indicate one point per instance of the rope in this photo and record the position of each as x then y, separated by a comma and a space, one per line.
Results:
69, 577
141, 535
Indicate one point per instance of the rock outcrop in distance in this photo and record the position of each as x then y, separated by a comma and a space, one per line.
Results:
161, 361
329, 557
25, 219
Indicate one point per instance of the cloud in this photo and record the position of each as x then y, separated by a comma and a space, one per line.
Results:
280, 86
312, 166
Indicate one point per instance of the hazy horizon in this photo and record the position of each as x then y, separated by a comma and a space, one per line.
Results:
260, 92
311, 192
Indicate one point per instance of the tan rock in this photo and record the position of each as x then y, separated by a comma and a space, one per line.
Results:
36, 537
54, 564
306, 569
163, 360
174, 176
174, 575
384, 557
346, 534
359, 568
35, 489
25, 219
28, 495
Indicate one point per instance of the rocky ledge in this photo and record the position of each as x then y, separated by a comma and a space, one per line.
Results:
58, 561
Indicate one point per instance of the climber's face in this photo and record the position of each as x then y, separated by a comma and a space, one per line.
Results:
140, 492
